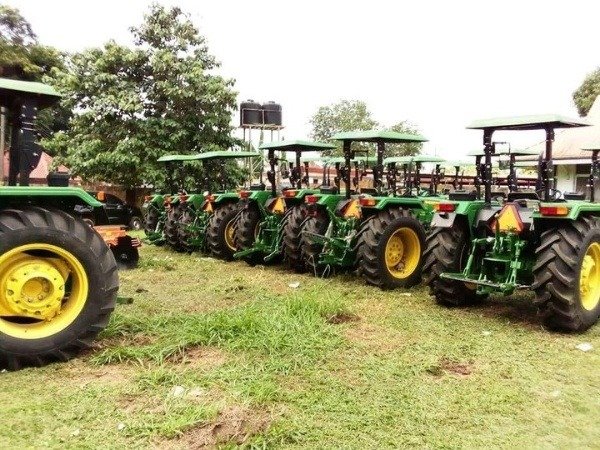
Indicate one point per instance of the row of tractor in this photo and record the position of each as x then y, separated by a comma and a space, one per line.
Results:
381, 216
465, 242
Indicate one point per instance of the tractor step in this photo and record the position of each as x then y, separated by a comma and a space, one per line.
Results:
503, 287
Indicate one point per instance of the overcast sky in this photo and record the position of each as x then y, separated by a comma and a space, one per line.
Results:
438, 64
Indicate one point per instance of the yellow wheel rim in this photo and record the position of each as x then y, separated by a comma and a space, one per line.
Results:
229, 232
43, 289
402, 253
589, 278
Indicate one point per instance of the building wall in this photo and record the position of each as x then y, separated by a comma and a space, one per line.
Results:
565, 178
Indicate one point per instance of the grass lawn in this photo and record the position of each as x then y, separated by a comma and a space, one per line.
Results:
212, 353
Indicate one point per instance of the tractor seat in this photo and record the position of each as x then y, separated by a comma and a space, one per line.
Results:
257, 187
463, 195
328, 189
522, 195
574, 196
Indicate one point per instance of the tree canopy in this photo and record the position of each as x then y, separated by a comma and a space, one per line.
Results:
354, 115
133, 105
586, 94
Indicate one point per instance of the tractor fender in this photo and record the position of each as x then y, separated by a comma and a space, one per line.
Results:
443, 220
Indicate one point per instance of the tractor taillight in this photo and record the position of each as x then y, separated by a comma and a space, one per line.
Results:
289, 193
367, 201
244, 194
554, 210
311, 199
445, 207
209, 198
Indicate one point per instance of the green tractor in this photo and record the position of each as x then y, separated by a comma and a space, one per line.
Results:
206, 220
540, 240
268, 225
155, 205
58, 278
377, 232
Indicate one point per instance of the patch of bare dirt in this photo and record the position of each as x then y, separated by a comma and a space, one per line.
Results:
200, 357
81, 375
342, 317
233, 425
449, 366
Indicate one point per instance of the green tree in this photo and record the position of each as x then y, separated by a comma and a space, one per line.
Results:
586, 94
413, 148
353, 115
133, 105
347, 115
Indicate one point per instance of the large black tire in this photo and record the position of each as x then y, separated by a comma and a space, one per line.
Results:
184, 235
311, 249
560, 262
392, 227
447, 250
220, 234
246, 227
151, 220
172, 228
292, 237
43, 227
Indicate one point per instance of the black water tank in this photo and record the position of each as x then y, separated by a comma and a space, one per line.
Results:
250, 113
272, 113
58, 179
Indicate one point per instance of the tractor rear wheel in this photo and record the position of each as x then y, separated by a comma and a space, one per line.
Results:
390, 247
58, 286
151, 220
246, 232
172, 228
221, 231
567, 275
292, 237
309, 247
447, 250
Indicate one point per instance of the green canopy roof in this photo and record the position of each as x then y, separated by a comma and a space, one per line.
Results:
313, 158
591, 147
415, 158
458, 164
169, 158
534, 122
340, 159
518, 152
224, 154
304, 146
45, 93
378, 136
